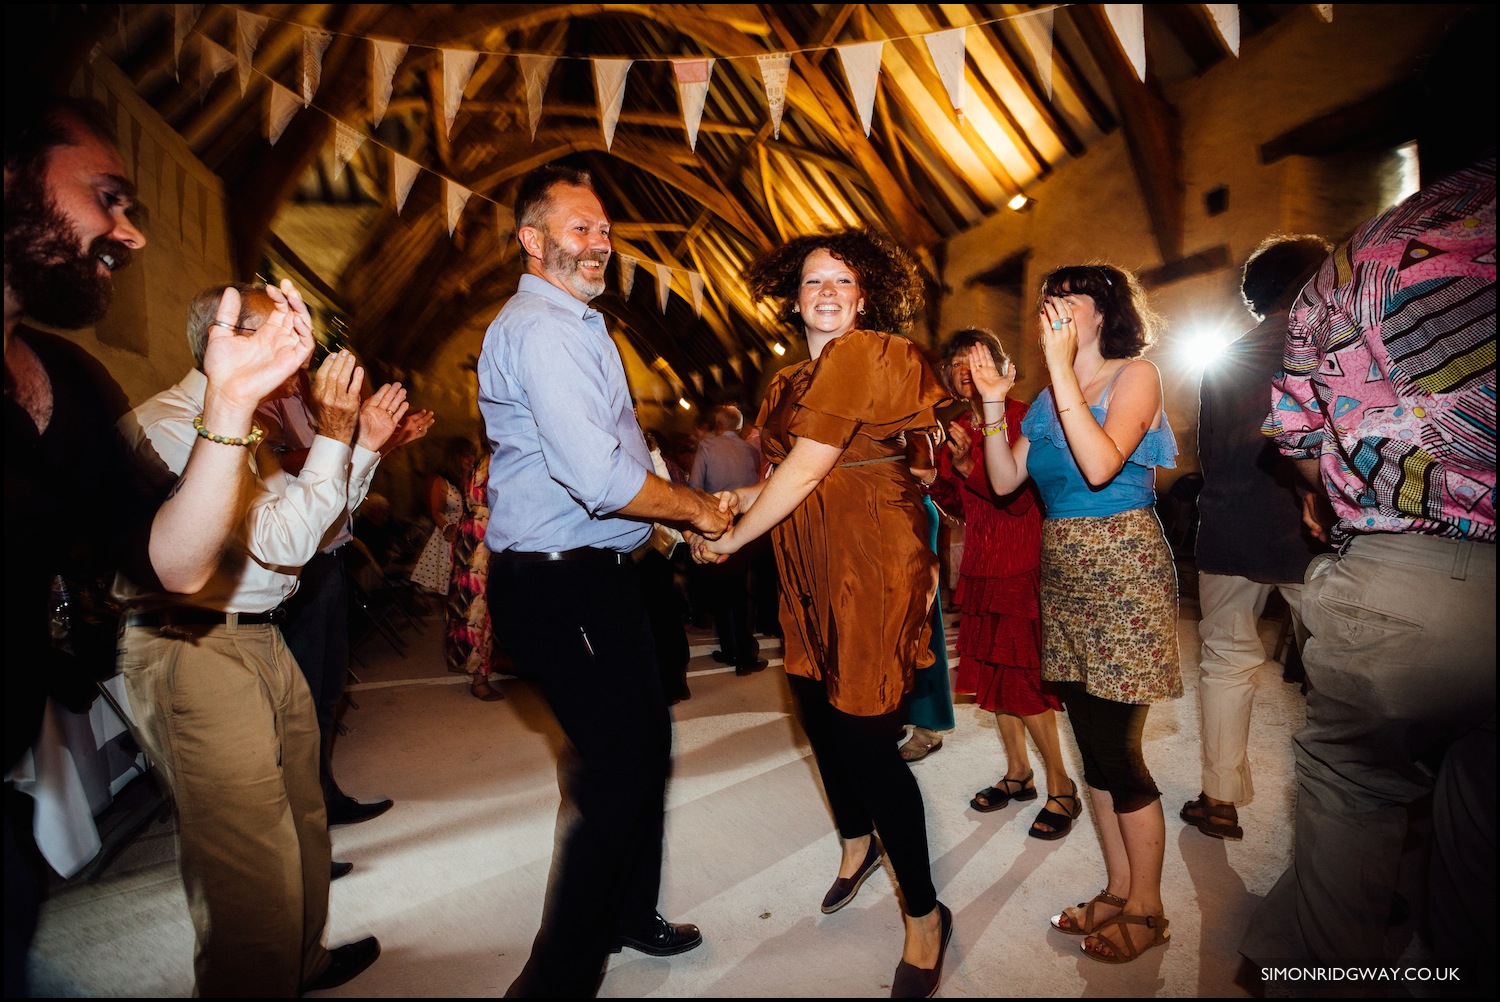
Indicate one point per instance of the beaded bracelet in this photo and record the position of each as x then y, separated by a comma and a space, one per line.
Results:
256, 434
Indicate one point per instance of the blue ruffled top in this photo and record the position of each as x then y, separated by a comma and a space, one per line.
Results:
1066, 493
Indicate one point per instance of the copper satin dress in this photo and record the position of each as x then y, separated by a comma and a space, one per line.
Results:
857, 577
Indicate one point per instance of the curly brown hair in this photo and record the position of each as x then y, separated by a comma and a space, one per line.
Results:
1129, 322
888, 277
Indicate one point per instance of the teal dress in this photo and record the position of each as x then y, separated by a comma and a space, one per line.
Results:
930, 704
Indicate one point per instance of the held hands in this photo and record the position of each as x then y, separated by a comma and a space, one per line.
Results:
336, 396
381, 415
714, 551
714, 514
245, 368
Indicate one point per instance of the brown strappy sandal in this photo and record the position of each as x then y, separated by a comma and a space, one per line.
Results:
1080, 917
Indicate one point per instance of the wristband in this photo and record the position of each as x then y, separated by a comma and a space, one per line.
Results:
256, 434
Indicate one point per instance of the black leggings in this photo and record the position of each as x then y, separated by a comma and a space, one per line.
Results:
1109, 738
869, 786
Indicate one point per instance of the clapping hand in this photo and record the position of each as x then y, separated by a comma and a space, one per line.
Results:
410, 428
245, 367
961, 448
991, 383
381, 415
336, 397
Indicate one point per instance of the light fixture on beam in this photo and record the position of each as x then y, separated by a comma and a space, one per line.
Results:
778, 348
683, 403
1019, 203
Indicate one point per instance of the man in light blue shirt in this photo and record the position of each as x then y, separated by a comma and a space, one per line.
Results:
572, 492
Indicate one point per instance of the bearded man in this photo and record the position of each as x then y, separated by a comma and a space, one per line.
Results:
572, 492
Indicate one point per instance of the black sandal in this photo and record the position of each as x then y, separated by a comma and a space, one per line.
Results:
1219, 821
992, 798
1061, 824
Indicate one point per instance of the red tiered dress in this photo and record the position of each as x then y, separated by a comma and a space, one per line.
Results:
999, 583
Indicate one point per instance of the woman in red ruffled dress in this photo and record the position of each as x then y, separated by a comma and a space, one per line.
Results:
999, 583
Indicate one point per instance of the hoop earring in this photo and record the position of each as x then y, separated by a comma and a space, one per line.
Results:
861, 311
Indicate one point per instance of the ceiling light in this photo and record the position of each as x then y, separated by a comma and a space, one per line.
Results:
1018, 203
1201, 348
683, 403
779, 348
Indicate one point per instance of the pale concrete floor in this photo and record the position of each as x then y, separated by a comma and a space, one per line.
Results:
452, 878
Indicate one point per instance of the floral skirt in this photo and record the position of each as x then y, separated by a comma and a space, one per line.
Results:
1109, 607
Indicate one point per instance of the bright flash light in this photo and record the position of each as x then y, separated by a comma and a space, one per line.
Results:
779, 348
1018, 203
1199, 350
683, 403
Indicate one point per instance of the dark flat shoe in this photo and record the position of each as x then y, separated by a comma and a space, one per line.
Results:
1060, 824
1219, 821
345, 963
918, 982
992, 798
844, 888
661, 938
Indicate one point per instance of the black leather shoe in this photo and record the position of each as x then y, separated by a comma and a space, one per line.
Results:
918, 982
348, 963
746, 667
341, 868
661, 938
844, 888
351, 812
722, 658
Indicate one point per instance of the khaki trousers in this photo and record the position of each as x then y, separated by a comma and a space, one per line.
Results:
226, 718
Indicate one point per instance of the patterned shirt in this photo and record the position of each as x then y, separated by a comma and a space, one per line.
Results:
1389, 373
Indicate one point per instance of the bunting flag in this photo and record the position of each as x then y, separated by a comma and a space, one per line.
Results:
753, 356
716, 372
346, 142
1325, 11
314, 44
663, 285
862, 70
184, 16
458, 67
1226, 18
248, 29
213, 60
1036, 32
692, 76
454, 197
627, 275
385, 56
283, 107
535, 70
697, 378
403, 176
947, 51
1128, 22
738, 365
609, 85
775, 68
695, 283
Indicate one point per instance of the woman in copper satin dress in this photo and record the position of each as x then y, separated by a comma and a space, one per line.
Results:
844, 507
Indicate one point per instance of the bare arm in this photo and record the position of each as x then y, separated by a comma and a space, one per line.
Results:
192, 527
660, 500
779, 495
1134, 408
1004, 463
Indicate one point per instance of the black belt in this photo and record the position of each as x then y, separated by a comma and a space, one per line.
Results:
185, 615
581, 553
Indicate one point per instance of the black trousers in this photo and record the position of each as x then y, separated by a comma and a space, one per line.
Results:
728, 586
316, 631
869, 786
579, 631
1109, 741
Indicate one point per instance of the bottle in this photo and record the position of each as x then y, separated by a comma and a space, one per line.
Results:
61, 619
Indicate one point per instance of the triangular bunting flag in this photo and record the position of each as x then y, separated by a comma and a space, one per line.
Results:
454, 197
314, 44
1128, 22
862, 70
697, 378
385, 56
184, 16
403, 176
213, 60
754, 357
627, 275
692, 87
609, 85
458, 66
346, 142
738, 365
775, 67
248, 29
695, 283
1226, 18
1036, 32
947, 50
535, 70
283, 107
716, 373
663, 285
1325, 11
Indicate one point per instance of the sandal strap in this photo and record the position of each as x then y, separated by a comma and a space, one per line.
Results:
1004, 786
1126, 948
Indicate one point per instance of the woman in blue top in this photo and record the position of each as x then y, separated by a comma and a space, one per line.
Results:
1092, 442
